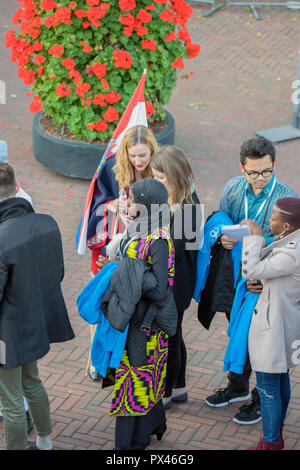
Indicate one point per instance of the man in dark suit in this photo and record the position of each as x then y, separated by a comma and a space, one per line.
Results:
32, 311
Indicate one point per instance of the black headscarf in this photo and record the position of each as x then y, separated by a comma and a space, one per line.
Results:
151, 199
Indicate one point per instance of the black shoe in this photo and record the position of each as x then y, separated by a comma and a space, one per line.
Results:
248, 414
224, 396
160, 431
29, 422
183, 398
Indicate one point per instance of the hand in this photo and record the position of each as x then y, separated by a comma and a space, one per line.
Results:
254, 227
254, 286
113, 205
227, 242
102, 261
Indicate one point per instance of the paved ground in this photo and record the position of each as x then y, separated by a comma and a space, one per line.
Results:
242, 83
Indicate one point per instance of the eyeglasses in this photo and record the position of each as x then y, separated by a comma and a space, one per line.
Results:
255, 174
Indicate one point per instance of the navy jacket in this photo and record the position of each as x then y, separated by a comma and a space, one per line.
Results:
33, 313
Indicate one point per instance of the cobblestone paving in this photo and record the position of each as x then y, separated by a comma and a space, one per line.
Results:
242, 83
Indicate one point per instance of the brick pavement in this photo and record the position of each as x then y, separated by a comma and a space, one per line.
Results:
242, 80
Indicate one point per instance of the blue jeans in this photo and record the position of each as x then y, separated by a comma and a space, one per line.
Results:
275, 392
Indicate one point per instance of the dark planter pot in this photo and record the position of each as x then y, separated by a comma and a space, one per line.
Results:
79, 159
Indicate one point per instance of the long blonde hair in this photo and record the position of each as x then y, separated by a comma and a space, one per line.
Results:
173, 162
123, 168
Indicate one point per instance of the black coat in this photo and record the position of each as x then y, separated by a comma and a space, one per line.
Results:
33, 313
185, 260
218, 294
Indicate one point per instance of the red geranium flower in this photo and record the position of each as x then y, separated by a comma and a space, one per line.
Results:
36, 106
39, 59
82, 89
122, 59
149, 44
48, 5
87, 49
171, 37
57, 51
62, 90
98, 69
127, 5
75, 75
100, 99
112, 97
178, 63
167, 15
193, 50
144, 16
100, 126
68, 63
111, 114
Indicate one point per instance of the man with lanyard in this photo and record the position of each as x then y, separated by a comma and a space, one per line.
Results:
249, 196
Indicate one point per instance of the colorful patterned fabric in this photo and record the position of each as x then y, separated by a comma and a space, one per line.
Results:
138, 389
140, 249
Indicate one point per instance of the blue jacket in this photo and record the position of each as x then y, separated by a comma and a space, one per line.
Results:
108, 343
212, 231
238, 329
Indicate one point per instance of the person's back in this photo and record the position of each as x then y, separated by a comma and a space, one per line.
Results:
31, 270
32, 312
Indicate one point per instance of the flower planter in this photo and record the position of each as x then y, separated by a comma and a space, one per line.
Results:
79, 159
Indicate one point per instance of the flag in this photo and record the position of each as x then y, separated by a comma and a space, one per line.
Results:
104, 186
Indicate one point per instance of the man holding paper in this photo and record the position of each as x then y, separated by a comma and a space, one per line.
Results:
249, 196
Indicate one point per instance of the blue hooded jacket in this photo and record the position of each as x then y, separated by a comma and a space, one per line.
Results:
212, 231
238, 329
108, 344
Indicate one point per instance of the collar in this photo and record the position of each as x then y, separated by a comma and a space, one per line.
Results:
292, 237
265, 191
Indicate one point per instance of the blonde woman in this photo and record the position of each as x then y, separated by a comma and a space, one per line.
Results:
130, 164
171, 167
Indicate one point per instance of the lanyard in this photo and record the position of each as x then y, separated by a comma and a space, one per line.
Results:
262, 205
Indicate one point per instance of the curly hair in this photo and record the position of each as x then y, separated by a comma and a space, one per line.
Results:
255, 148
123, 168
173, 162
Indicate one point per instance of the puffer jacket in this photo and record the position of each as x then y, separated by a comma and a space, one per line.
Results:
124, 303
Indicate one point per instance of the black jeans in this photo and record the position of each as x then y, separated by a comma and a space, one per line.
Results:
239, 383
176, 362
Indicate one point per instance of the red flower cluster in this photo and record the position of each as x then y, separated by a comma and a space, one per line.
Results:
127, 5
122, 59
57, 51
89, 77
36, 106
149, 44
62, 90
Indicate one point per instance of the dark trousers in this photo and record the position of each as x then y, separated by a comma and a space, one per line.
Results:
176, 362
239, 383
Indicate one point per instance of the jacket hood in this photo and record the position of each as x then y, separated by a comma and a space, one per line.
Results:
14, 207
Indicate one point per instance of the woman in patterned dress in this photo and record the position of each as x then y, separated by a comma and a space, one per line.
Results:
139, 387
130, 164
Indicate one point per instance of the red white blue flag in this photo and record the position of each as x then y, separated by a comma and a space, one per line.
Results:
92, 229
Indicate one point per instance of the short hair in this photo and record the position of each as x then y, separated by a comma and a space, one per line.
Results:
255, 148
7, 181
289, 208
